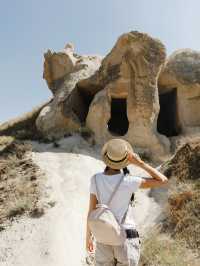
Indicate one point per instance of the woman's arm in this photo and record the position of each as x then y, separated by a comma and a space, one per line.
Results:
157, 180
92, 206
153, 183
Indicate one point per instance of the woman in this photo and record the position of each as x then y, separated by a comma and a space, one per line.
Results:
117, 154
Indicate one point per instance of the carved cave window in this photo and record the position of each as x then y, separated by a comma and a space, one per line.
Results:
168, 122
118, 124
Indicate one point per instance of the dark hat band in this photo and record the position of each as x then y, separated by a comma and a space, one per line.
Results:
114, 161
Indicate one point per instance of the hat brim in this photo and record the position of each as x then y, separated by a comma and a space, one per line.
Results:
116, 165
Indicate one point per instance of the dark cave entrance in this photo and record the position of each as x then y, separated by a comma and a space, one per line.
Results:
168, 121
79, 102
118, 124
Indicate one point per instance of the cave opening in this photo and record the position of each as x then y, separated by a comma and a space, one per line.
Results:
168, 121
86, 101
118, 124
80, 102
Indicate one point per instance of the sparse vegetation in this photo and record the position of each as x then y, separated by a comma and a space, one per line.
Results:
87, 134
23, 127
161, 250
180, 231
185, 164
19, 184
183, 214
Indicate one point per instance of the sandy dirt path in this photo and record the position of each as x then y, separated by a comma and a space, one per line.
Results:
57, 238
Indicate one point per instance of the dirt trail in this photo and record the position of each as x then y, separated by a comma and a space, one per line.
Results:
57, 238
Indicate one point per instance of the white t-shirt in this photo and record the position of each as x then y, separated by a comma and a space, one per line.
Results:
120, 202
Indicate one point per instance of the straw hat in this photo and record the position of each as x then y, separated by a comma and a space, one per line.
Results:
114, 153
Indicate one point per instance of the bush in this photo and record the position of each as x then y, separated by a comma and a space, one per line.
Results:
183, 215
161, 250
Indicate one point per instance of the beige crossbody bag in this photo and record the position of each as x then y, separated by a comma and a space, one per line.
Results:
103, 223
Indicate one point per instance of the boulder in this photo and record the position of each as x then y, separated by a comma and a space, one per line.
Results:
58, 65
183, 67
62, 71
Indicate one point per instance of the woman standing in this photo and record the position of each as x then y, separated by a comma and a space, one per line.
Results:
117, 154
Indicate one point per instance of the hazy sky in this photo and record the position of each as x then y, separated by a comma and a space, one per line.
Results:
29, 27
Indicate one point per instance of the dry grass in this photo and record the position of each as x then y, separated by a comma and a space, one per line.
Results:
185, 164
179, 236
23, 127
161, 250
19, 180
183, 210
183, 214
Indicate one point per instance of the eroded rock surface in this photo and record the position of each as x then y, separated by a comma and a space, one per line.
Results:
58, 65
62, 71
129, 72
182, 74
134, 93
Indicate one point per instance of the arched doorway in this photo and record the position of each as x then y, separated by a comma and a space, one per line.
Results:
118, 124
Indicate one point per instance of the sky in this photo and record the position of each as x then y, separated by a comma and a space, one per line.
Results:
29, 27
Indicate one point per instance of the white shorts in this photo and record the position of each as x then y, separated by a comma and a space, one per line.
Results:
126, 255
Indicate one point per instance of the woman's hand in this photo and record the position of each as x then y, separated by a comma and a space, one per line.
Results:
164, 179
135, 159
89, 236
90, 245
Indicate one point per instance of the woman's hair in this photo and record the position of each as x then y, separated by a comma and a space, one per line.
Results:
125, 170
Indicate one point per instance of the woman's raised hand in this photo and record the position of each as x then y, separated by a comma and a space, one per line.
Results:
135, 159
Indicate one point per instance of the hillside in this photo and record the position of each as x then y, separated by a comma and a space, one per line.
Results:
68, 167
179, 232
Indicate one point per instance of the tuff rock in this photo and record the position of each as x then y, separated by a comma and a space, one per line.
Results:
62, 71
135, 93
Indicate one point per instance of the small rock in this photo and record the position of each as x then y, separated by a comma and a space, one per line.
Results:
37, 212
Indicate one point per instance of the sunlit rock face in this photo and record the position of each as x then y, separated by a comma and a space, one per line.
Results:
126, 104
62, 71
181, 75
134, 93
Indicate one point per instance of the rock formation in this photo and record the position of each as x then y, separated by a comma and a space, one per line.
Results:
128, 104
58, 65
134, 93
62, 71
179, 84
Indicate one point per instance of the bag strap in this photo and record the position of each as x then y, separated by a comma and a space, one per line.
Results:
129, 205
125, 214
113, 193
97, 189
115, 190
